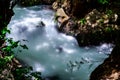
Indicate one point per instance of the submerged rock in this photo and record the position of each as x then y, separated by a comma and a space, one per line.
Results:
41, 24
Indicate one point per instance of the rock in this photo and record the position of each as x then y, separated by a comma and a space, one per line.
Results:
91, 24
94, 24
55, 5
68, 27
59, 49
41, 24
62, 16
110, 68
79, 8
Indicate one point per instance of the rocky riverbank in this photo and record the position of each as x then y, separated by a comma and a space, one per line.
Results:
94, 27
110, 68
92, 23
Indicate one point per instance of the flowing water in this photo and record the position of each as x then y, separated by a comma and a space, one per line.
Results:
51, 52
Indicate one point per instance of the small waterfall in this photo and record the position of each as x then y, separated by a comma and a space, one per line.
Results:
51, 52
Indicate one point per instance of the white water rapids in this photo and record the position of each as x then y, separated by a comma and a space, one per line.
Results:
51, 52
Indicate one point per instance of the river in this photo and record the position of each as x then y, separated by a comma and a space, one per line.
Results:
51, 52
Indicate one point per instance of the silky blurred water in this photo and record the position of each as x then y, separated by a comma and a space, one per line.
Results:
51, 52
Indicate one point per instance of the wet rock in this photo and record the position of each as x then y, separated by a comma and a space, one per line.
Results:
61, 15
41, 24
59, 49
110, 68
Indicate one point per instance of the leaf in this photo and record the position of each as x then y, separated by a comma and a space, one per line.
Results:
14, 44
5, 30
8, 58
7, 48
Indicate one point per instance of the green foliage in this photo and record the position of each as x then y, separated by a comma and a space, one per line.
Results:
101, 21
83, 21
36, 75
8, 58
26, 74
108, 29
4, 61
55, 17
22, 73
4, 32
103, 1
109, 12
0, 17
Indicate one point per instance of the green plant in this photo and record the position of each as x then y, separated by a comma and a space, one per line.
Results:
26, 74
109, 12
55, 17
82, 21
11, 44
103, 1
108, 29
7, 53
